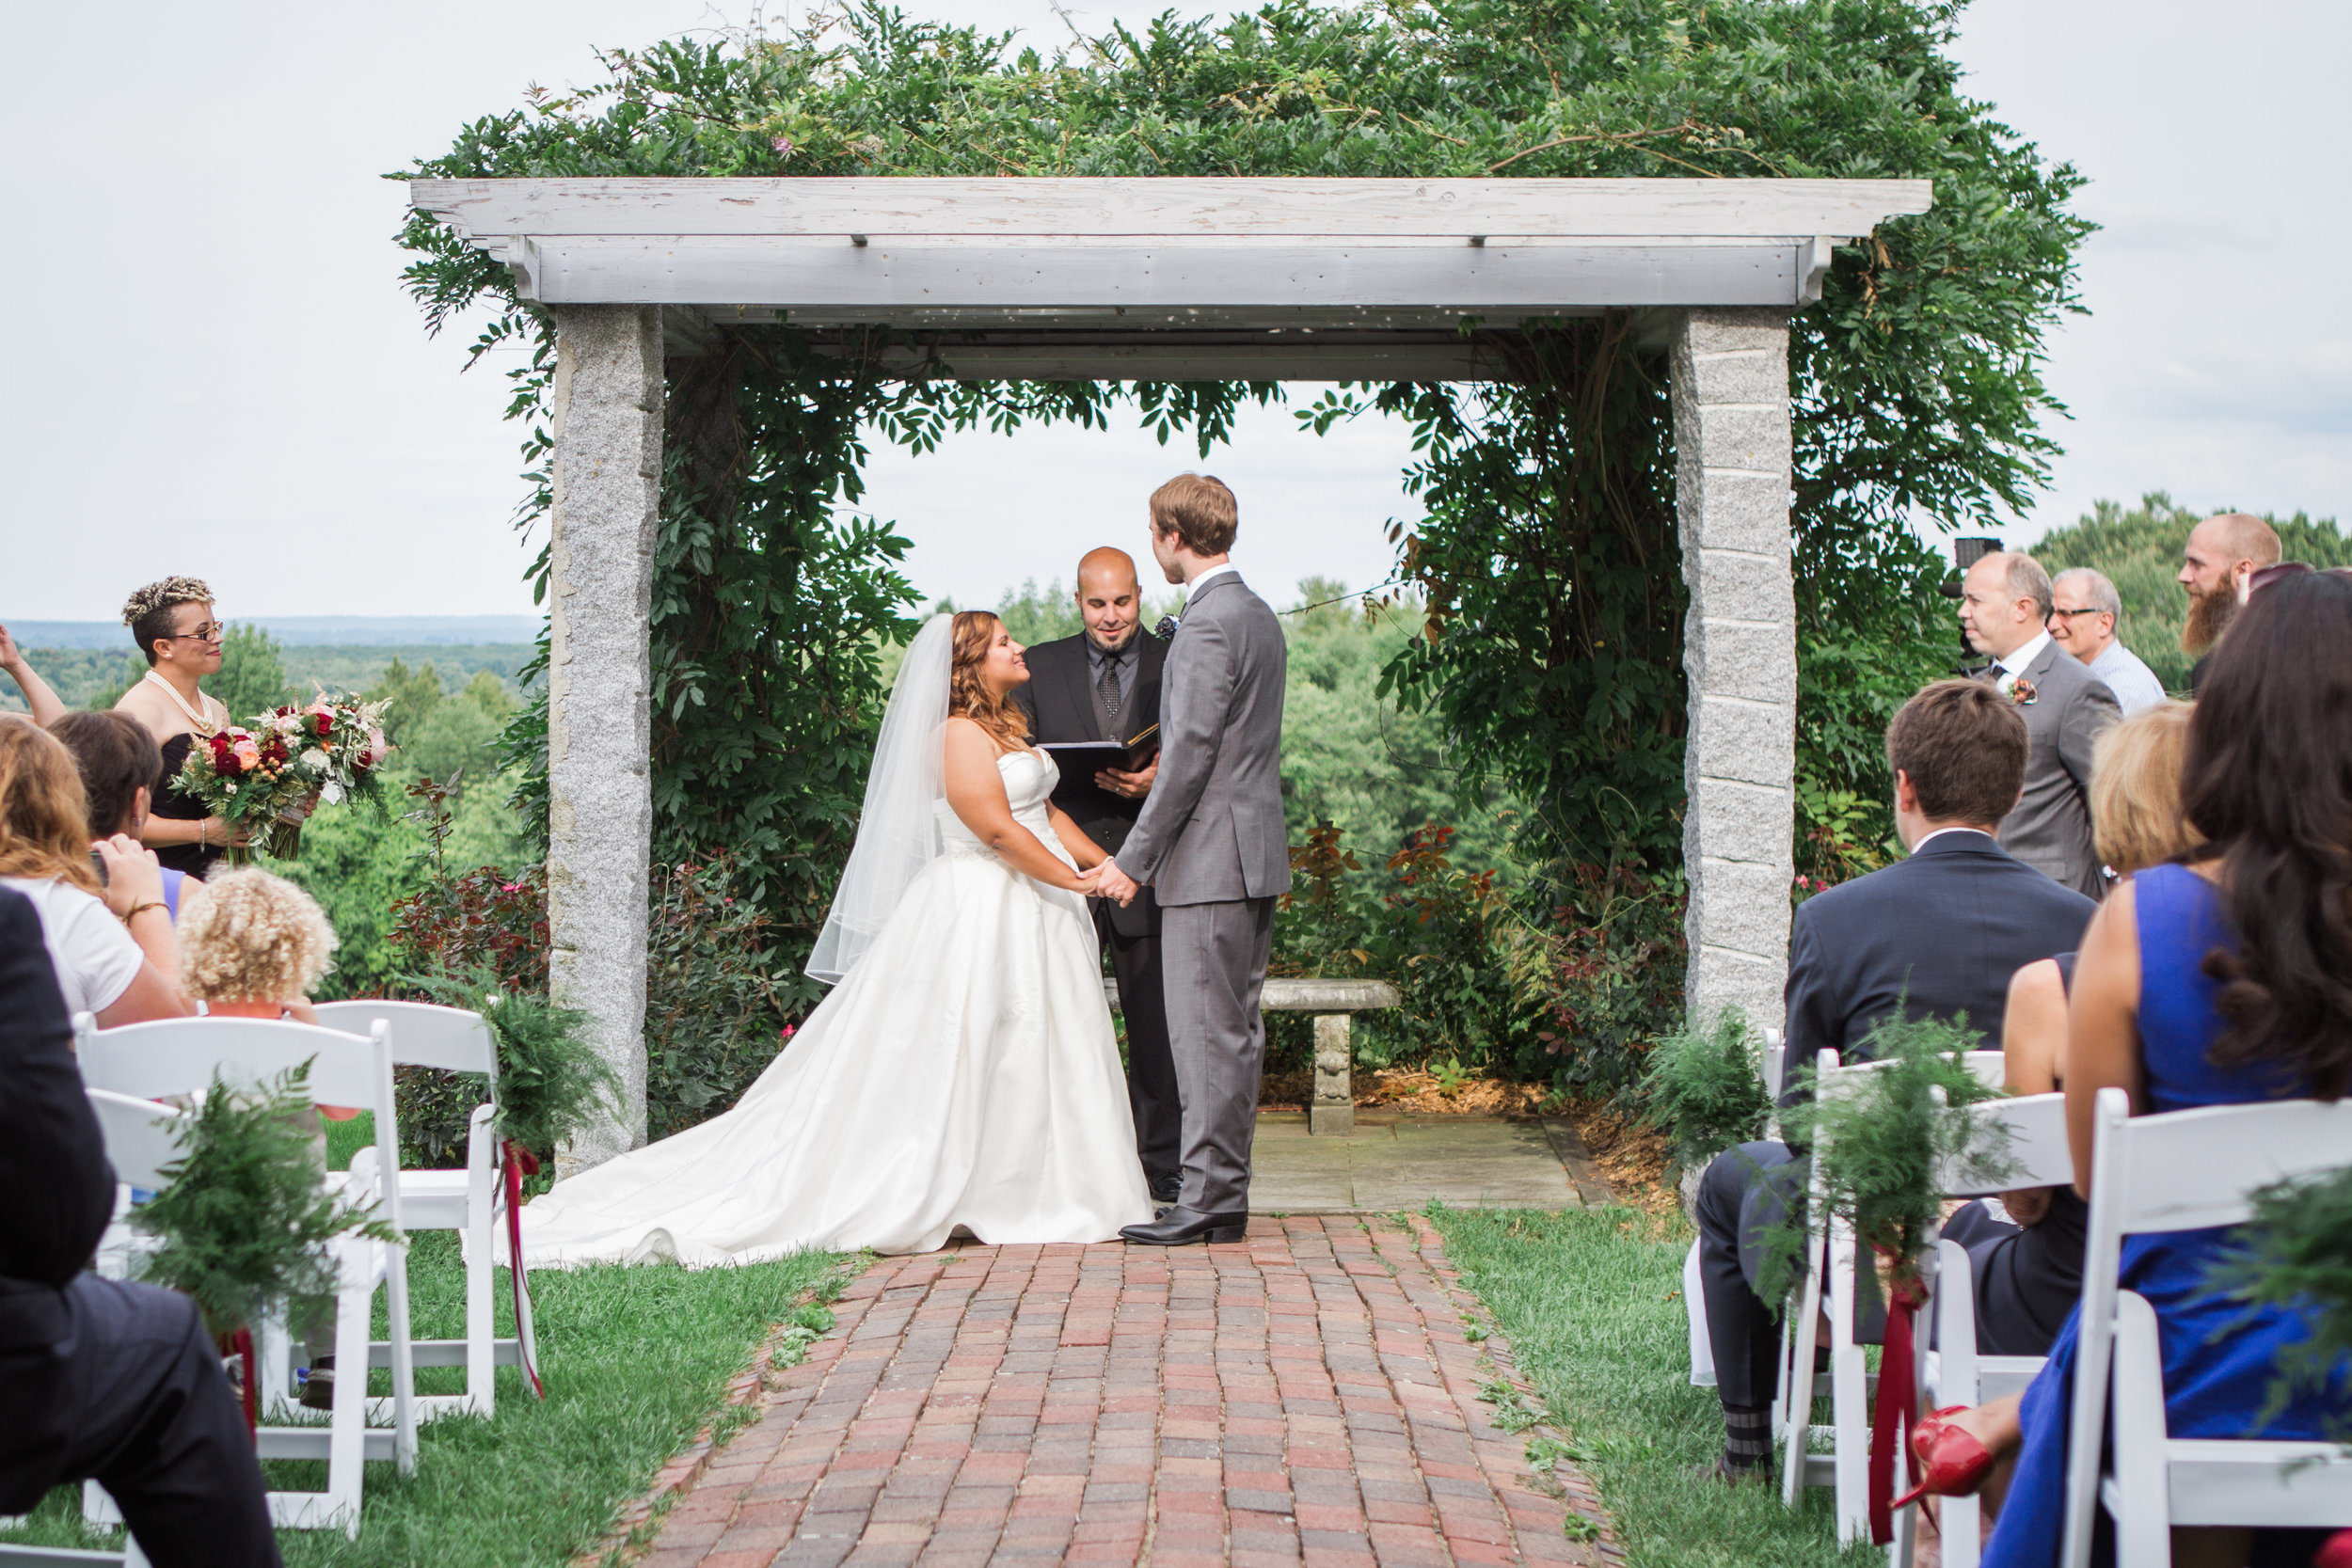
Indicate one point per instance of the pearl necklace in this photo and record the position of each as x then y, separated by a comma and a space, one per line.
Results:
204, 725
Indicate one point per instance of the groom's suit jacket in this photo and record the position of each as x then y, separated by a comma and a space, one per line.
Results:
1058, 701
1212, 831
2050, 828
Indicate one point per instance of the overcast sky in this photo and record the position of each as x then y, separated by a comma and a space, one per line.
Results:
210, 367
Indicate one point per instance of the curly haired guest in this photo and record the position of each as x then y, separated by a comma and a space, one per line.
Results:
174, 623
254, 946
110, 942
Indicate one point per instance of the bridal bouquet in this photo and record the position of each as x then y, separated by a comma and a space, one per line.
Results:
246, 778
266, 775
337, 743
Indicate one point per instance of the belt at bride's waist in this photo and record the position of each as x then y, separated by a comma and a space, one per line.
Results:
960, 843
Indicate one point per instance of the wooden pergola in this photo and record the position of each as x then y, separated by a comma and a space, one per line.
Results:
1024, 278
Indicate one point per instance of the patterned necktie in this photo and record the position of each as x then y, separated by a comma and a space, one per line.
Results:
1106, 685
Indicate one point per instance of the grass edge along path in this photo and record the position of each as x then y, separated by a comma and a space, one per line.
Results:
639, 1364
1591, 1304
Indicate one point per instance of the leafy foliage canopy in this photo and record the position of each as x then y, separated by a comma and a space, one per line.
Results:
1548, 560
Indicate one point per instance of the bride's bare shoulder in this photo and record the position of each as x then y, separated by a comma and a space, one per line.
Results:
970, 735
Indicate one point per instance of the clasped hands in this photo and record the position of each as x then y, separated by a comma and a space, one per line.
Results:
1104, 880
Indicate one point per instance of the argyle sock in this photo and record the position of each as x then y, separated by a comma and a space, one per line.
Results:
1747, 1435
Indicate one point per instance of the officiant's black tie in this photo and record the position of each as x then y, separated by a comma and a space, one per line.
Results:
1106, 687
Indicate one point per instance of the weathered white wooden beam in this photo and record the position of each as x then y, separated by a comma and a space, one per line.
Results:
1144, 361
883, 278
497, 208
606, 412
1729, 371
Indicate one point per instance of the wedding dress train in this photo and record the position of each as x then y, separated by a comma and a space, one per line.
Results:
964, 1073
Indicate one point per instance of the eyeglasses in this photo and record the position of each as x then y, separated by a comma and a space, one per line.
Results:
211, 631
2070, 614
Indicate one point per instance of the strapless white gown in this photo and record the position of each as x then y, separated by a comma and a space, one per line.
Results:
963, 1073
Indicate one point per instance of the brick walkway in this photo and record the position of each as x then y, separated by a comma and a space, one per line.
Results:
1305, 1396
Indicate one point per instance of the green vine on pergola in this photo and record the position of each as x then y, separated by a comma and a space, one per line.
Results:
1547, 557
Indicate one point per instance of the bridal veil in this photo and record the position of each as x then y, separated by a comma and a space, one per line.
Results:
898, 832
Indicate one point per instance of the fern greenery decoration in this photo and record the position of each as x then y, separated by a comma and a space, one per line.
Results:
247, 1217
1702, 1088
551, 1079
2297, 1252
1882, 1145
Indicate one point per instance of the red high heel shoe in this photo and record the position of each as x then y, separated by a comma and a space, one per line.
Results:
1957, 1462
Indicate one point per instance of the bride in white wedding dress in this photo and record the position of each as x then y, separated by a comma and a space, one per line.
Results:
962, 1073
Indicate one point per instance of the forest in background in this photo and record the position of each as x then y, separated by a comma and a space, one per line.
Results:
1399, 874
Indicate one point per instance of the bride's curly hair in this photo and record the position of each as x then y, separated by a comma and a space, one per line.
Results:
968, 696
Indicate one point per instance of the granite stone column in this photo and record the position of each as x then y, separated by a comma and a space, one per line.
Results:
1730, 370
607, 424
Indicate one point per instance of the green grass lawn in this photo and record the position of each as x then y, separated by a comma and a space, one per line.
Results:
635, 1360
1591, 1301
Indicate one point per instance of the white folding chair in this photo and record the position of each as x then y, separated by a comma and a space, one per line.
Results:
142, 1137
67, 1556
2183, 1170
1830, 1255
2034, 1134
181, 1056
465, 1200
1772, 1065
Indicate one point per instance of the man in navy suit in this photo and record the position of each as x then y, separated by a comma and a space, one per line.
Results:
100, 1378
1938, 935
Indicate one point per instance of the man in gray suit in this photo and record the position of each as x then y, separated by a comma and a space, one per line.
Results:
2005, 610
1211, 844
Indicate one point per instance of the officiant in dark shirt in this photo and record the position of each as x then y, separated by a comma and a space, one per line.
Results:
1104, 684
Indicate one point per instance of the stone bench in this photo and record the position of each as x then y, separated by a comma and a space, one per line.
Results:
1334, 1005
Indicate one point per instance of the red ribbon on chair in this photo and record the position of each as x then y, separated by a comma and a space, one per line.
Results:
516, 1163
1896, 1410
240, 1346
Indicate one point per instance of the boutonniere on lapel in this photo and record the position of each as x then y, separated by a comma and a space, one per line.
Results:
2023, 693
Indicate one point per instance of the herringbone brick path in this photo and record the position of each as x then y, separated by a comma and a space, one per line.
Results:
1307, 1396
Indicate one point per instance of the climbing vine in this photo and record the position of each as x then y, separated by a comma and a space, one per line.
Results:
1547, 553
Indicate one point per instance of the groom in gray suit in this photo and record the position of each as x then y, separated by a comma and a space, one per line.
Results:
1211, 844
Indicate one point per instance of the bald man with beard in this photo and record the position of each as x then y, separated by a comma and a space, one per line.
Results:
2221, 553
1103, 684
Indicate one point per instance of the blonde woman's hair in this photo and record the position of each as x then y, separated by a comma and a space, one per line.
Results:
969, 697
2136, 813
44, 816
252, 938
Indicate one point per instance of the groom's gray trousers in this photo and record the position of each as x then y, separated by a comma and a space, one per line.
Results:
1215, 957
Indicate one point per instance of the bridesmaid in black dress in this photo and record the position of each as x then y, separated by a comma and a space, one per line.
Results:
175, 628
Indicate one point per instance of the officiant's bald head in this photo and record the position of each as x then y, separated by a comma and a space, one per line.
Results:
1110, 597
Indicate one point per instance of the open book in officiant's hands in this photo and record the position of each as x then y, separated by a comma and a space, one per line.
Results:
1078, 758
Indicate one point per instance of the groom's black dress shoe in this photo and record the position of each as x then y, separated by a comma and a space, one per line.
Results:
1167, 1189
1181, 1227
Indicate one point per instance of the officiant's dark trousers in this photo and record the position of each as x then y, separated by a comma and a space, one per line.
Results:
1151, 1067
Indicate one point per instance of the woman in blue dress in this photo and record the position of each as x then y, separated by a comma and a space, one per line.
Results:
2224, 981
